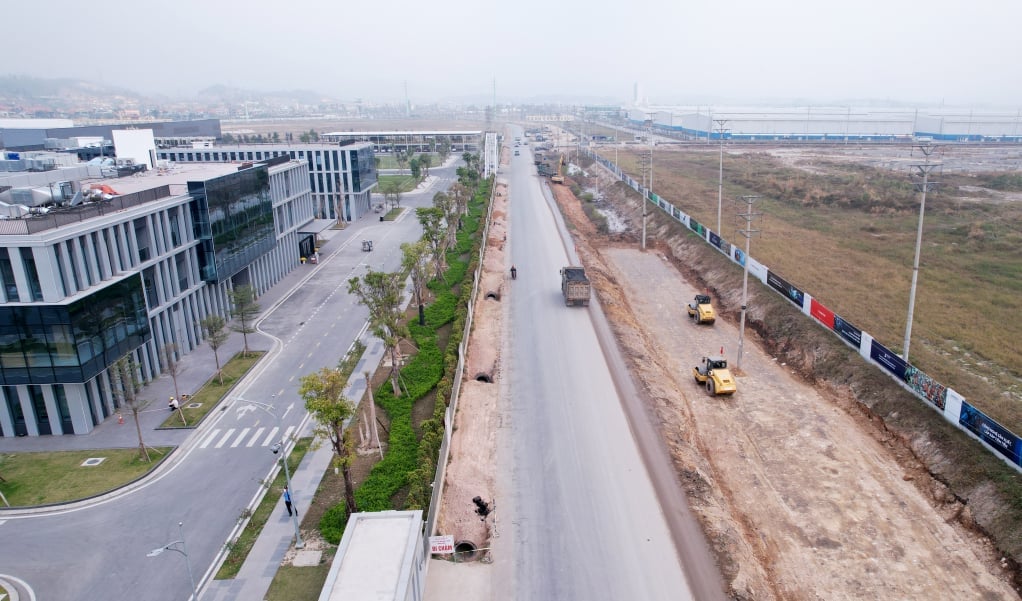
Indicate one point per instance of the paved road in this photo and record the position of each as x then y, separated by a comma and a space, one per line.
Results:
99, 548
583, 519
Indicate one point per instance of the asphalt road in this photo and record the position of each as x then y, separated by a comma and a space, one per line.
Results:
99, 551
582, 518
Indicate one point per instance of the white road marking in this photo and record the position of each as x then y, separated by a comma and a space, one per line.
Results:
241, 437
255, 437
209, 438
223, 440
271, 436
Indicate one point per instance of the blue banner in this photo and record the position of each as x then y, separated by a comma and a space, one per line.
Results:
990, 432
715, 240
890, 361
781, 285
849, 332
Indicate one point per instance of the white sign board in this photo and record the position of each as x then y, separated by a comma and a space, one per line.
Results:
441, 544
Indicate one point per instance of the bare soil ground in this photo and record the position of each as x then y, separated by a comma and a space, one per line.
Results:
799, 493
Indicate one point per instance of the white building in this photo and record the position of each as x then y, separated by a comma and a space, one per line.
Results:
381, 557
82, 286
341, 177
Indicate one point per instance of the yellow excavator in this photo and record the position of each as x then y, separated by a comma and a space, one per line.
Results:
559, 178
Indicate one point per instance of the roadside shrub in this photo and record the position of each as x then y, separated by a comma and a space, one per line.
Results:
332, 524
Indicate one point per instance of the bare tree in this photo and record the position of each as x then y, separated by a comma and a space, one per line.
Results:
374, 436
215, 329
125, 384
414, 259
434, 235
168, 356
246, 309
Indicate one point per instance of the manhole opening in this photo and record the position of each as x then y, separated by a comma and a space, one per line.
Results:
492, 296
193, 405
484, 377
93, 461
465, 550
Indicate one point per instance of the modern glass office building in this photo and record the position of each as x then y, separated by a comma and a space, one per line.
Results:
341, 177
84, 286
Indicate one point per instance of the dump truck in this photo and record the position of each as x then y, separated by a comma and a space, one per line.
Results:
714, 374
575, 286
700, 309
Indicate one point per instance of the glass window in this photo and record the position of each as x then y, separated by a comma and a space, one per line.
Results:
66, 425
7, 274
42, 416
28, 259
14, 408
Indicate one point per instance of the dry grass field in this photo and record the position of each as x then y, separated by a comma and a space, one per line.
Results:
841, 224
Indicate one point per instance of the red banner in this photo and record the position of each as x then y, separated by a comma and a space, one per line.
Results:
825, 315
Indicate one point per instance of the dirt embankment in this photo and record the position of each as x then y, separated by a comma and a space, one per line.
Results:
821, 478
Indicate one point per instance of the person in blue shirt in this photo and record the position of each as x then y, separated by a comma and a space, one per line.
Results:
287, 502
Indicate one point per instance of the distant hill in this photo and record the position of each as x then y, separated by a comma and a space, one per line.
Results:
34, 88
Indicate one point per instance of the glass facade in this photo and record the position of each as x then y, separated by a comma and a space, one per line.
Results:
363, 169
233, 217
48, 344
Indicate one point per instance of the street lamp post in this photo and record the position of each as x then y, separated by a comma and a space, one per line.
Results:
276, 448
183, 551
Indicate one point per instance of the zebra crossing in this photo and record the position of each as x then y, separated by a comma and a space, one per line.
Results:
233, 438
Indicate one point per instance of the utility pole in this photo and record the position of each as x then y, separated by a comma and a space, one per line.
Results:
925, 186
748, 232
650, 187
720, 185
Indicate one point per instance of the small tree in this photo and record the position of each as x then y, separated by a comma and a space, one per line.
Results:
445, 204
416, 168
401, 158
414, 258
125, 384
227, 138
380, 292
391, 190
246, 309
168, 356
425, 162
215, 328
461, 196
434, 235
322, 393
444, 150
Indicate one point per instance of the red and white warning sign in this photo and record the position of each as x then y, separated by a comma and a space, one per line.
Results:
440, 545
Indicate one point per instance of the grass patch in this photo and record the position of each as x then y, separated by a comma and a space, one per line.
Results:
241, 546
387, 161
58, 477
393, 214
212, 392
407, 183
293, 583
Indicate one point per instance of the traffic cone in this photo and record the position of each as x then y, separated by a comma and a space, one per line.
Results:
120, 418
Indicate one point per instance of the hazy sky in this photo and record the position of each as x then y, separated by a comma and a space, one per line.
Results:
961, 52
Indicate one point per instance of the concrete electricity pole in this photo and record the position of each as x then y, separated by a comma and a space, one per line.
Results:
720, 185
748, 232
925, 186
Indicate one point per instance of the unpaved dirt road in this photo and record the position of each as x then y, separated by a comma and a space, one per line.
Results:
797, 495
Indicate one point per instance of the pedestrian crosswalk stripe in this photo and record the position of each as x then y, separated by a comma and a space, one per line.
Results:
241, 437
287, 433
270, 436
223, 440
209, 439
255, 437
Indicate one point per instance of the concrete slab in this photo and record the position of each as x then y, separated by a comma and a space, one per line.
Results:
306, 559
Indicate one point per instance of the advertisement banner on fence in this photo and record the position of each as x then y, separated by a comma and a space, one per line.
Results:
926, 387
849, 332
676, 213
738, 255
696, 227
715, 239
781, 285
757, 269
953, 406
822, 313
890, 361
991, 432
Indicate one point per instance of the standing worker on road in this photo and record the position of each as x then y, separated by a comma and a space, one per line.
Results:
514, 273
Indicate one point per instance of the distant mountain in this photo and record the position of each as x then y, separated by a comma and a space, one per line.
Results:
32, 88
